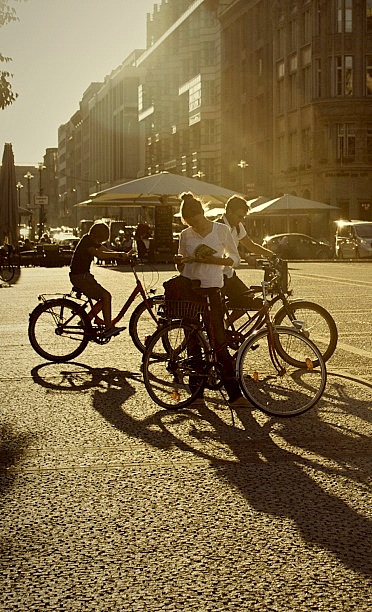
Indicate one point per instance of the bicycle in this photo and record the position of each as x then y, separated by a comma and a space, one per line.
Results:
318, 323
280, 370
7, 268
61, 327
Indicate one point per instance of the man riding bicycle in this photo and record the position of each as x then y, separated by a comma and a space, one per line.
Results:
236, 291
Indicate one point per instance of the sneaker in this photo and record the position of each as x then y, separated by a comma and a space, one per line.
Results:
112, 331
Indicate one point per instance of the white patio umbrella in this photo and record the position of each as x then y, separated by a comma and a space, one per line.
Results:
163, 188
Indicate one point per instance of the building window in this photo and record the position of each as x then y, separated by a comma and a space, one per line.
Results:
280, 42
318, 78
344, 16
305, 147
293, 90
369, 15
281, 70
281, 158
318, 17
209, 131
369, 142
345, 141
292, 150
293, 34
306, 38
209, 49
306, 84
280, 86
280, 92
343, 75
369, 76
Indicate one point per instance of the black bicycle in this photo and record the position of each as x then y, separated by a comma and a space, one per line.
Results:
279, 369
317, 323
7, 267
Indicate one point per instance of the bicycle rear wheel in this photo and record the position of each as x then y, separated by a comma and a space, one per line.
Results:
318, 324
271, 383
59, 329
7, 272
175, 365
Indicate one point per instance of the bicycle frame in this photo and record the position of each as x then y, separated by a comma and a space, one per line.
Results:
96, 308
257, 321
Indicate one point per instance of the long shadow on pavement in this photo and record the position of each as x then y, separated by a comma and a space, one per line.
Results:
274, 480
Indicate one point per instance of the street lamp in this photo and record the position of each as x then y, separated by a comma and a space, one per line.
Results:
243, 165
28, 176
199, 175
41, 167
19, 187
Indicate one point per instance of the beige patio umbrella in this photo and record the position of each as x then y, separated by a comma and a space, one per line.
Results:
158, 189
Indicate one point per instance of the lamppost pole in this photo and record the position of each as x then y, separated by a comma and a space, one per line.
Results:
28, 176
41, 167
243, 165
19, 187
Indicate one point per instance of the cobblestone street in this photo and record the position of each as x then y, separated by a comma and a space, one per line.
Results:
111, 503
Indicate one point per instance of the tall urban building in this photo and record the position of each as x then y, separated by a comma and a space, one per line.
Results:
296, 98
180, 95
265, 97
99, 145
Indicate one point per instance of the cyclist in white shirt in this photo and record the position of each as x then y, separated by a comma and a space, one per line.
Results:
237, 292
205, 249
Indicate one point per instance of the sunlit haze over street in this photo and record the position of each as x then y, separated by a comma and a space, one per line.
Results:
58, 48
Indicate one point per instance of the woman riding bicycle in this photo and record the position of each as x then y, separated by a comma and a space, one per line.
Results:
205, 248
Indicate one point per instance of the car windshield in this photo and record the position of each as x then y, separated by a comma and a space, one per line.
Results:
364, 230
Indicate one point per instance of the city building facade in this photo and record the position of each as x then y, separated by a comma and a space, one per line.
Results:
296, 89
263, 97
99, 145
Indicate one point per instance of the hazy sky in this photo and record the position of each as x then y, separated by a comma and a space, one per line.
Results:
58, 48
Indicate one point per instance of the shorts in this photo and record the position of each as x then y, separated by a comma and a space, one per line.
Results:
239, 295
88, 285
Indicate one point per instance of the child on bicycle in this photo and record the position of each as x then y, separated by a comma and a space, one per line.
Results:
88, 247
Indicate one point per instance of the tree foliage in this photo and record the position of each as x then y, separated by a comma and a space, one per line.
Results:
7, 96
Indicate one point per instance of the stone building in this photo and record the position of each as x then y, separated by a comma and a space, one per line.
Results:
265, 97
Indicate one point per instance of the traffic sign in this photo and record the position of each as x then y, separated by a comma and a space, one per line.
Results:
41, 200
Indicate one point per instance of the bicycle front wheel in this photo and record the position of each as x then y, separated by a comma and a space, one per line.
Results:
317, 324
142, 324
175, 365
271, 383
59, 330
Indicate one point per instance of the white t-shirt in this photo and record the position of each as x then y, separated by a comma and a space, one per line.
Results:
238, 233
220, 239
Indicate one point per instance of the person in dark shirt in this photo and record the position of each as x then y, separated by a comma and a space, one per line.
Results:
88, 247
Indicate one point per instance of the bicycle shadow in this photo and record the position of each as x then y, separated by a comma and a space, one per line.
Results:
285, 468
13, 446
111, 389
281, 482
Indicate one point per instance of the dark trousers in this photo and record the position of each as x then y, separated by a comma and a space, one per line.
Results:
217, 338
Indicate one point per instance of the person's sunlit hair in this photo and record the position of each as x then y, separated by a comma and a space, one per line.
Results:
190, 206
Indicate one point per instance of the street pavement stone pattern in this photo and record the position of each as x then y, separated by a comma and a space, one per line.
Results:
110, 503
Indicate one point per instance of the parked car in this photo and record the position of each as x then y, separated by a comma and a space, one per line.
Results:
353, 239
298, 246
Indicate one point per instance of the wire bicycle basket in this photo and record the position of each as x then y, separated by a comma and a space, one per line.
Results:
181, 309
